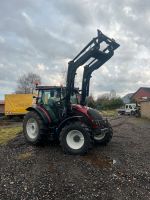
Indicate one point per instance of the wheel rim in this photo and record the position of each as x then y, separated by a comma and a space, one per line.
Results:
32, 128
75, 139
99, 136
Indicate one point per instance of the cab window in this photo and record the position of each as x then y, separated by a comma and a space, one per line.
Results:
47, 95
73, 99
55, 94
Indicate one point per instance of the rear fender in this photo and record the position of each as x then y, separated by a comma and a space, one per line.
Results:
42, 113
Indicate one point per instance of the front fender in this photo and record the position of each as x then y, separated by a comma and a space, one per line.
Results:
68, 119
42, 113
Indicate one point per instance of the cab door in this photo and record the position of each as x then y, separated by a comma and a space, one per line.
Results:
48, 99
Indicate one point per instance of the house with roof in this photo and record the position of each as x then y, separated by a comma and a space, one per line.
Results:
143, 93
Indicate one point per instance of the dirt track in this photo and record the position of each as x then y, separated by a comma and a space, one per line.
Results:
120, 170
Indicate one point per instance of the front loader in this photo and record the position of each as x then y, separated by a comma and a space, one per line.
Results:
96, 63
58, 113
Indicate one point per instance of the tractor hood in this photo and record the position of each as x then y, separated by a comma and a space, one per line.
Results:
89, 112
94, 114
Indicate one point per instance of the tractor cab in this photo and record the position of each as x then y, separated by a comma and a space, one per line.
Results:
52, 99
49, 95
55, 94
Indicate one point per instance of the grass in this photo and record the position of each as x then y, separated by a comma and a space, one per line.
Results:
24, 156
109, 113
8, 133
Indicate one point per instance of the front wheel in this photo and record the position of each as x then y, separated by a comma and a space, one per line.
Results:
104, 136
75, 138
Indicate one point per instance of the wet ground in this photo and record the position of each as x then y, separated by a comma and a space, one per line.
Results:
120, 170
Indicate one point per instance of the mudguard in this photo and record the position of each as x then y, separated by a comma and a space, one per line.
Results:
42, 113
68, 119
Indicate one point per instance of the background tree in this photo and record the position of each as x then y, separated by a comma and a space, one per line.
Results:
90, 101
27, 82
104, 103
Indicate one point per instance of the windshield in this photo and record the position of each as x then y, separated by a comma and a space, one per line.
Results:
46, 95
58, 94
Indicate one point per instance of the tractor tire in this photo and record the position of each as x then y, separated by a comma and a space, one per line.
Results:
104, 139
33, 128
75, 139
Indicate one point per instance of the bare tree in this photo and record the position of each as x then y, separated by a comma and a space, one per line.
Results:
26, 83
63, 76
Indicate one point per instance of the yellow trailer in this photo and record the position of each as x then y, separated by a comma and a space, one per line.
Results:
16, 104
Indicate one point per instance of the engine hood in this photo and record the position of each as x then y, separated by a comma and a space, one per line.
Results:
92, 113
80, 108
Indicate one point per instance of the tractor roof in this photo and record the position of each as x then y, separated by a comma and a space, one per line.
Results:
48, 87
40, 87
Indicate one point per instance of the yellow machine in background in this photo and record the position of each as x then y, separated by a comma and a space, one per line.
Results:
16, 104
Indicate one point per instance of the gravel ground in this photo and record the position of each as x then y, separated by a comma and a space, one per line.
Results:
120, 170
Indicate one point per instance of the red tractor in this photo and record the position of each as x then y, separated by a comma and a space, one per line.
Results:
60, 114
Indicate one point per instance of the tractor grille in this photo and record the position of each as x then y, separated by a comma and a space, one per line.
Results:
97, 118
98, 122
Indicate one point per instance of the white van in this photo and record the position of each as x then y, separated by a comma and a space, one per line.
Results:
129, 109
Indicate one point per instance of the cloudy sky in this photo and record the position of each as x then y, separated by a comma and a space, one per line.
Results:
41, 36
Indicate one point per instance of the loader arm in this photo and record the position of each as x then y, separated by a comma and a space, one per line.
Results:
106, 54
92, 51
88, 69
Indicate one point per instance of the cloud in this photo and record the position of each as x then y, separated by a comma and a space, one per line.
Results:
27, 18
2, 40
74, 11
42, 36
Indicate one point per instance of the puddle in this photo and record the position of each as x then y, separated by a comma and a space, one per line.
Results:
100, 162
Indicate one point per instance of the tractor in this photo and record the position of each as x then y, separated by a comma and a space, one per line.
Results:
60, 113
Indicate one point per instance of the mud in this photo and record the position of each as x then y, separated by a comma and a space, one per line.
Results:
99, 162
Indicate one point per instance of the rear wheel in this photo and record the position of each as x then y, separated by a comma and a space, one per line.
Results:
33, 128
75, 138
104, 137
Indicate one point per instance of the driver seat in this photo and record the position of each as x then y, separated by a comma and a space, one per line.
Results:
53, 110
